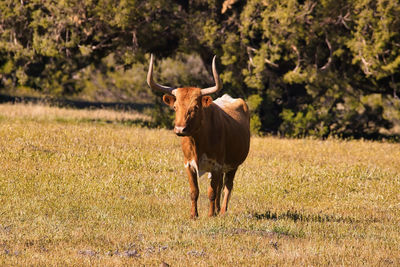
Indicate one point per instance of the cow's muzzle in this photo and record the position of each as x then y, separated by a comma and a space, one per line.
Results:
181, 131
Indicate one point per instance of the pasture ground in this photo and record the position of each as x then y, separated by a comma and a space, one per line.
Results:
88, 188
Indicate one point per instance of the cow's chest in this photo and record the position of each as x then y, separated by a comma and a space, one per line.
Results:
206, 164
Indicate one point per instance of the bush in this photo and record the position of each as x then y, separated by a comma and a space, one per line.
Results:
254, 103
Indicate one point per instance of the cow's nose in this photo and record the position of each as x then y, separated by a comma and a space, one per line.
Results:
180, 130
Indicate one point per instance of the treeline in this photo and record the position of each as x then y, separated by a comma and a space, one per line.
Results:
320, 68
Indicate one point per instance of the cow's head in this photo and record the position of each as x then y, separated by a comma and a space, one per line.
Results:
188, 102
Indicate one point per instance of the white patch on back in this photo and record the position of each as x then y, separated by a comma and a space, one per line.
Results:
224, 100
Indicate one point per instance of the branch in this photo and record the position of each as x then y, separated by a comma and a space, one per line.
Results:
394, 87
330, 54
271, 63
298, 57
309, 7
366, 64
343, 19
134, 40
15, 38
251, 63
251, 49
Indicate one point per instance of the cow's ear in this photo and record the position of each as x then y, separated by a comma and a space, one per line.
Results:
169, 100
206, 101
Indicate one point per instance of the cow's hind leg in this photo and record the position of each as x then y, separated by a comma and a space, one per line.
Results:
194, 191
227, 189
218, 196
214, 192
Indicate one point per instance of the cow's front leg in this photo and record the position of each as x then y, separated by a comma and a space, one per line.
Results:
214, 193
194, 190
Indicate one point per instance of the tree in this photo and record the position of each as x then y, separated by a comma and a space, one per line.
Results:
306, 67
310, 61
44, 44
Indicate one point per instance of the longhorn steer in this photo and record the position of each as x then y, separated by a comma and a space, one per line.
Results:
215, 136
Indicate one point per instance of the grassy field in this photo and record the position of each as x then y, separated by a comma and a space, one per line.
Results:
86, 188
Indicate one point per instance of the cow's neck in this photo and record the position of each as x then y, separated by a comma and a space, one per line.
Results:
199, 142
195, 145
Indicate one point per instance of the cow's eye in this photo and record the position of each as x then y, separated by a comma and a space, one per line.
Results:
190, 113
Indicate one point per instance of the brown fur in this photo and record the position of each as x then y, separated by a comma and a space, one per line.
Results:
219, 133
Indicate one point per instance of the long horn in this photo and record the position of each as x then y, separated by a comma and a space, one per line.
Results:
218, 83
155, 86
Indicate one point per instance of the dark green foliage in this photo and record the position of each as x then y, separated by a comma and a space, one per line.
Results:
320, 61
45, 44
320, 68
254, 103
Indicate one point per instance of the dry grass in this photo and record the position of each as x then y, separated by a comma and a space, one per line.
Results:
74, 192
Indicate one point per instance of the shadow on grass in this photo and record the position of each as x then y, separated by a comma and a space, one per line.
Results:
126, 122
77, 104
299, 216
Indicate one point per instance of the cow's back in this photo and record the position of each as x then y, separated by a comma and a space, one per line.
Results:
235, 107
237, 128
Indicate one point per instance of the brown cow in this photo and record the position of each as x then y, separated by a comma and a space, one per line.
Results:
215, 136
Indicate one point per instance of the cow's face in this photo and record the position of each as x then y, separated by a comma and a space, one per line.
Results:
189, 105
